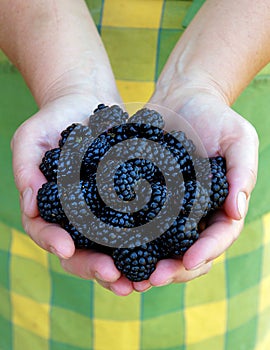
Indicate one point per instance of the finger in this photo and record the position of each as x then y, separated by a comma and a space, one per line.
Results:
213, 241
89, 264
122, 287
242, 163
173, 271
50, 237
142, 286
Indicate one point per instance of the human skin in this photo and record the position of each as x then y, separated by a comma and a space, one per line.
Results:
220, 52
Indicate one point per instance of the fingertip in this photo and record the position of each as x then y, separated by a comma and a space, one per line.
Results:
236, 204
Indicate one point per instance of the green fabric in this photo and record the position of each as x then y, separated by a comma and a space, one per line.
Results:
44, 308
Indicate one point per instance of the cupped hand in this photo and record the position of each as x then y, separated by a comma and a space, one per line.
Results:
222, 132
32, 139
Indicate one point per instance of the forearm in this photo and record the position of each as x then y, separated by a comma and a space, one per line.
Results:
54, 43
223, 48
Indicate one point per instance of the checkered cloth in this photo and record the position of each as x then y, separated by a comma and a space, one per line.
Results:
44, 308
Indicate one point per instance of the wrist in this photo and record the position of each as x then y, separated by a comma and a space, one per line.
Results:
90, 87
176, 91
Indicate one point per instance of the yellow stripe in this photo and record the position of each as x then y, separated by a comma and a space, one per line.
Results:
30, 315
205, 321
116, 335
132, 13
135, 90
266, 228
23, 246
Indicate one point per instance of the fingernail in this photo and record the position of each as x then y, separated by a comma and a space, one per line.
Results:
198, 266
241, 204
26, 198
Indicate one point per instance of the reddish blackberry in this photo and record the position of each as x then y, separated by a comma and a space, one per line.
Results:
49, 206
49, 164
137, 263
105, 117
147, 116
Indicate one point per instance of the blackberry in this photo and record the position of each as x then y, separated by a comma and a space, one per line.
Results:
183, 141
65, 134
80, 241
49, 206
104, 118
138, 263
148, 117
219, 184
214, 169
94, 153
49, 164
181, 235
195, 201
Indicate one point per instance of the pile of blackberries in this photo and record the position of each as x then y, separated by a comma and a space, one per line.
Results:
194, 187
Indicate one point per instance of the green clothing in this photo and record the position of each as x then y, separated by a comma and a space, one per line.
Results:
44, 308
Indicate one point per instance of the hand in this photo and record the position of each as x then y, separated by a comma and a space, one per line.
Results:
222, 132
38, 134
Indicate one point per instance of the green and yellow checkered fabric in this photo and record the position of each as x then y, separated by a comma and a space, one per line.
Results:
44, 308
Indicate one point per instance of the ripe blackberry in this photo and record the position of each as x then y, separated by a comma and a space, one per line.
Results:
78, 135
80, 241
214, 169
219, 184
104, 118
49, 206
138, 263
94, 153
181, 235
147, 116
183, 141
65, 133
49, 164
195, 200
181, 148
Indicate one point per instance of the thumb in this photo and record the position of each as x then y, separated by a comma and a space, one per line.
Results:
242, 163
28, 178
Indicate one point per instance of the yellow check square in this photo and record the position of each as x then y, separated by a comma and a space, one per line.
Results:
31, 315
132, 13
